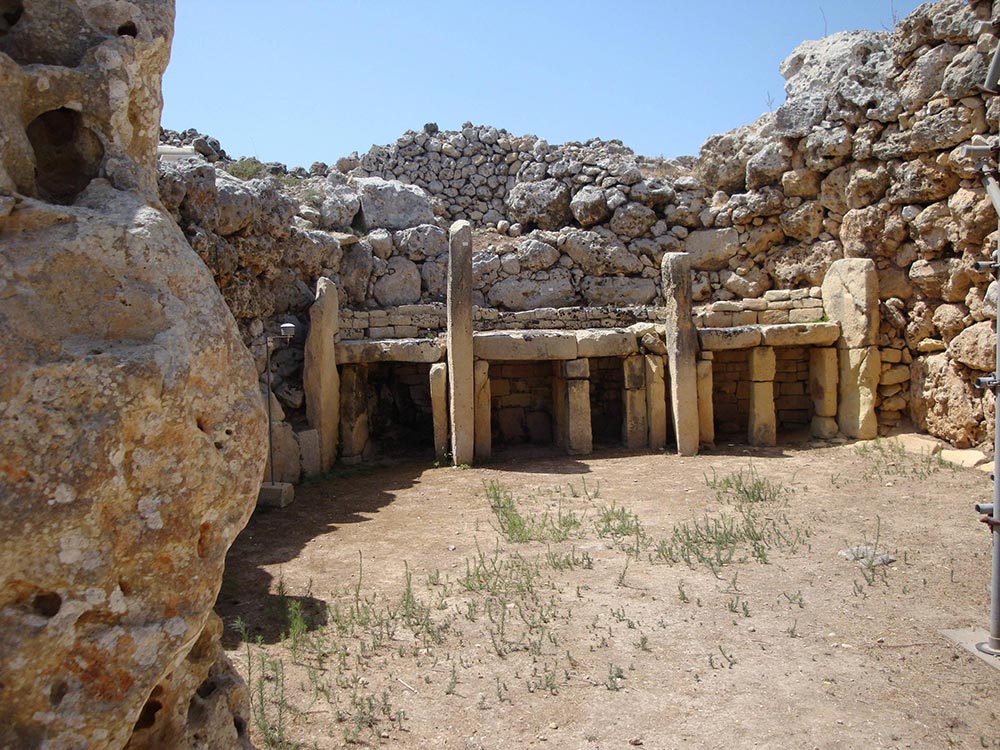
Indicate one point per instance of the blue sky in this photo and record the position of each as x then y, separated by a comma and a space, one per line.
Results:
308, 80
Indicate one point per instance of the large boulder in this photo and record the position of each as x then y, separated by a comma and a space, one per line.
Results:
945, 403
389, 204
129, 465
527, 294
711, 249
617, 290
597, 254
400, 285
544, 204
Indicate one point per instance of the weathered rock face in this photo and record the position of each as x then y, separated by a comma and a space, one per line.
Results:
129, 465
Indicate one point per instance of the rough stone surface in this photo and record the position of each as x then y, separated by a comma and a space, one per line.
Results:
389, 204
850, 297
129, 464
544, 204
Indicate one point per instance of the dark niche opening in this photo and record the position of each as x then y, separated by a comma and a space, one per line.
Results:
128, 29
401, 420
607, 381
521, 403
10, 13
68, 155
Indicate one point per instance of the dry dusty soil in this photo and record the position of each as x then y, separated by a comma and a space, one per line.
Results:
620, 601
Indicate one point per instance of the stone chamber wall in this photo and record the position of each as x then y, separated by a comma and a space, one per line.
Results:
863, 160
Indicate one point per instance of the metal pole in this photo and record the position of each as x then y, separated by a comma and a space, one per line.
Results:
994, 640
270, 443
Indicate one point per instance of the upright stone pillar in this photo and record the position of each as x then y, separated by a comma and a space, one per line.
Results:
706, 407
635, 428
682, 348
353, 413
823, 380
656, 402
439, 408
850, 297
461, 378
763, 424
484, 410
320, 379
560, 428
579, 440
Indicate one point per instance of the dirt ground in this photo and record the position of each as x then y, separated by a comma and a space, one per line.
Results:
595, 632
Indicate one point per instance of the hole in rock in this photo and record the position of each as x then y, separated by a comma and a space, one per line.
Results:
241, 726
147, 717
200, 421
10, 13
204, 540
57, 692
68, 155
206, 688
125, 587
47, 603
128, 29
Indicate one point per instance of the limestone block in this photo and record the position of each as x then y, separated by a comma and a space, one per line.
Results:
859, 377
483, 427
682, 345
635, 428
363, 351
824, 374
560, 423
353, 412
918, 445
968, 458
439, 408
895, 374
762, 364
390, 204
706, 407
656, 401
320, 379
579, 438
634, 371
461, 379
276, 495
285, 448
801, 334
596, 342
310, 453
653, 343
575, 369
525, 345
762, 429
823, 428
721, 339
711, 249
850, 297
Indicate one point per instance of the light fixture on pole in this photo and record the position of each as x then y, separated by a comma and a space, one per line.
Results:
287, 332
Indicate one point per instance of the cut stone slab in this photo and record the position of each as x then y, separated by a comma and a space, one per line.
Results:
361, 351
823, 428
525, 345
918, 445
461, 376
277, 495
970, 639
969, 458
309, 449
722, 339
656, 401
762, 364
635, 428
439, 408
612, 342
762, 427
706, 408
483, 436
579, 438
850, 297
801, 334
859, 377
320, 378
824, 375
682, 350
575, 369
634, 372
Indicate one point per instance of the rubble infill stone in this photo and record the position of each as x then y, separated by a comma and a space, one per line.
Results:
605, 343
525, 345
721, 339
277, 495
360, 351
801, 334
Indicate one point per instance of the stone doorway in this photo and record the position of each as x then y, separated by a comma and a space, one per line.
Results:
400, 416
607, 381
521, 396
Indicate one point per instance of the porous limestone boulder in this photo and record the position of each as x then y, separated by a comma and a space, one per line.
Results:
389, 204
515, 293
545, 204
341, 204
400, 285
129, 465
711, 249
422, 242
598, 254
617, 290
976, 347
590, 206
945, 403
534, 255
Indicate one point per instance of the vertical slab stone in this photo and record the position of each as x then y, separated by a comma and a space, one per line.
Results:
560, 424
634, 371
635, 428
309, 452
461, 378
656, 401
706, 408
320, 379
483, 405
579, 437
439, 408
762, 364
353, 413
762, 428
850, 297
860, 370
682, 348
824, 375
